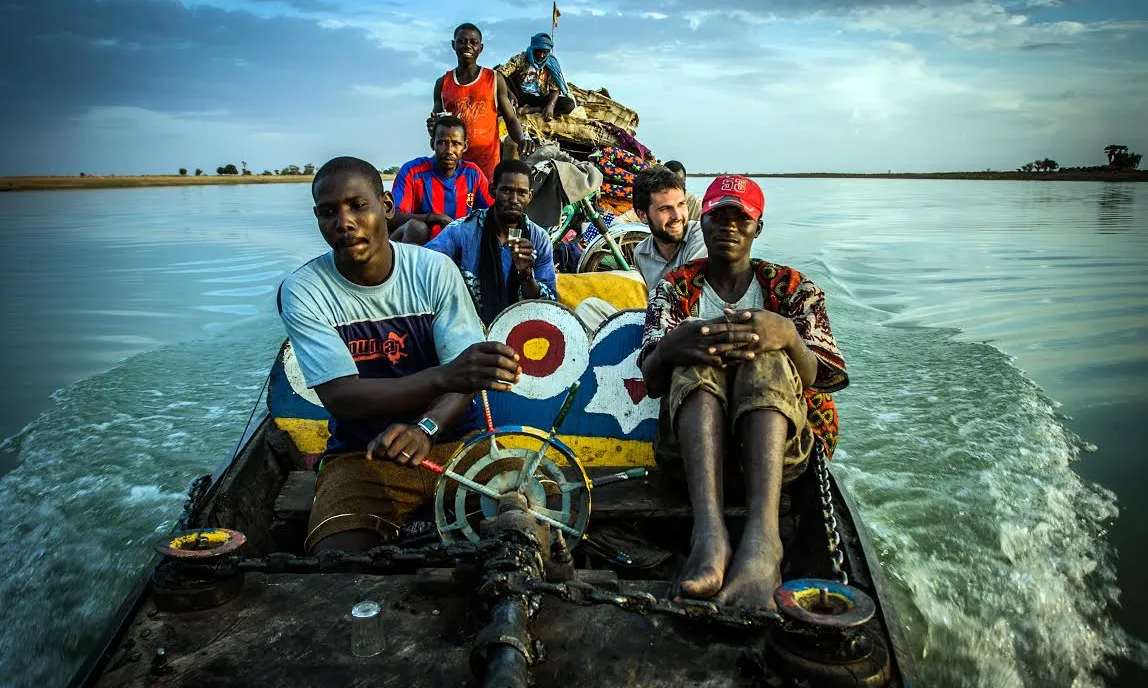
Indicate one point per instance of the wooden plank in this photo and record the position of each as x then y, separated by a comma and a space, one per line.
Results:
295, 497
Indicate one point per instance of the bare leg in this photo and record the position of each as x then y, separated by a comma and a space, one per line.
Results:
756, 569
699, 421
411, 232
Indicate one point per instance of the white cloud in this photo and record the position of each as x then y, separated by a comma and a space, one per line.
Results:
407, 34
982, 25
738, 89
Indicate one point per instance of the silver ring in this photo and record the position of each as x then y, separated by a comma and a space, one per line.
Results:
405, 454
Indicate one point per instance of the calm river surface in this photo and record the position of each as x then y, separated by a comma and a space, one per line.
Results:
994, 432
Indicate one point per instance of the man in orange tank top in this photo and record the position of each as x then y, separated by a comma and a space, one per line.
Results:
477, 96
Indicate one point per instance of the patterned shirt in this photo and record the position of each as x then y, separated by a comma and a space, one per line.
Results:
462, 241
420, 189
787, 292
533, 80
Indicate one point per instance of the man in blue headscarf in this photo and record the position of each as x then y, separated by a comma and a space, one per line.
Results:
536, 80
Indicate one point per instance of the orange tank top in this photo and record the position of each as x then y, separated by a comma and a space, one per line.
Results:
475, 104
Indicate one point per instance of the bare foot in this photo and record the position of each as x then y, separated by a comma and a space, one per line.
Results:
704, 571
753, 577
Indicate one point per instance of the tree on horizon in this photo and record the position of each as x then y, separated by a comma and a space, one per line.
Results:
1120, 158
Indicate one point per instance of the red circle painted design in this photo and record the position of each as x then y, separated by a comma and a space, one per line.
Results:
538, 329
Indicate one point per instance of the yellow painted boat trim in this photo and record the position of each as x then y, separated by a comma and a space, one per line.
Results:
310, 436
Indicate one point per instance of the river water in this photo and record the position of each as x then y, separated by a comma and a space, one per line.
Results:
993, 432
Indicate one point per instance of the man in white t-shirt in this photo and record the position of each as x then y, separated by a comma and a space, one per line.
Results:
388, 337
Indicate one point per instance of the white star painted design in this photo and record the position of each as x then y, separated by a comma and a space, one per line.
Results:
295, 377
618, 386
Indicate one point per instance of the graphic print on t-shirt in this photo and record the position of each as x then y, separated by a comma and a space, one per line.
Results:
386, 348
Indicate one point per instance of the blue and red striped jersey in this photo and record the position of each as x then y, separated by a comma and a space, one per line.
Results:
419, 188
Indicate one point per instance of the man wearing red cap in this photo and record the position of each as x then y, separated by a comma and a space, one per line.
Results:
741, 344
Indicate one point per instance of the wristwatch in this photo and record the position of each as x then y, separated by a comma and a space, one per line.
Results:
429, 427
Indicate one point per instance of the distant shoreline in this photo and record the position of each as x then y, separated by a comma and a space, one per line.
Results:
1068, 176
47, 183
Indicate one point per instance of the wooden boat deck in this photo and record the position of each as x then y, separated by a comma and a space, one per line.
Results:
294, 630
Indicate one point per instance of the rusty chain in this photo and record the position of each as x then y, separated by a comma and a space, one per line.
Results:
836, 553
586, 595
382, 559
391, 559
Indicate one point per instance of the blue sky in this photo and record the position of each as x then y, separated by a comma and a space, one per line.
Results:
148, 86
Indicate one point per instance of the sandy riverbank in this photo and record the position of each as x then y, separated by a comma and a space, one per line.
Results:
118, 181
121, 182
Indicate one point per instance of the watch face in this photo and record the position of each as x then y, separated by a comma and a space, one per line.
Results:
429, 425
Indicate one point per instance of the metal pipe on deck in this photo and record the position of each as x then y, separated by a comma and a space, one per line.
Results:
507, 666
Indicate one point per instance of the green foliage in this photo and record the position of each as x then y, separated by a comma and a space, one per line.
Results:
183, 171
291, 169
198, 172
391, 170
246, 173
309, 169
1045, 165
1120, 158
229, 168
267, 173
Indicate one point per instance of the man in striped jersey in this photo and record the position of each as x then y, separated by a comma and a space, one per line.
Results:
432, 192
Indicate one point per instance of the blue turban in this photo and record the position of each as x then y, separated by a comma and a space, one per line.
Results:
541, 41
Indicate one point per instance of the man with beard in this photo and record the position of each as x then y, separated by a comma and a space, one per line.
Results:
742, 355
660, 202
498, 269
430, 193
386, 336
478, 95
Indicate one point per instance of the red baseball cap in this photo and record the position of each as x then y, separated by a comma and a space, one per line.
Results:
736, 190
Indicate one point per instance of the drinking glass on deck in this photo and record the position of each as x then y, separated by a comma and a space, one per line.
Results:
366, 629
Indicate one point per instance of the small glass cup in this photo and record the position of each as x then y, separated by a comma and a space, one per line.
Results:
514, 235
366, 629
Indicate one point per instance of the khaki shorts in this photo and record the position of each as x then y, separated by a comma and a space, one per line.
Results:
354, 493
769, 381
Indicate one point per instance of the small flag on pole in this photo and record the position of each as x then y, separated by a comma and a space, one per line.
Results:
554, 20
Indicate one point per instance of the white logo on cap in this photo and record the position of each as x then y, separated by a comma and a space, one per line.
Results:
737, 185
